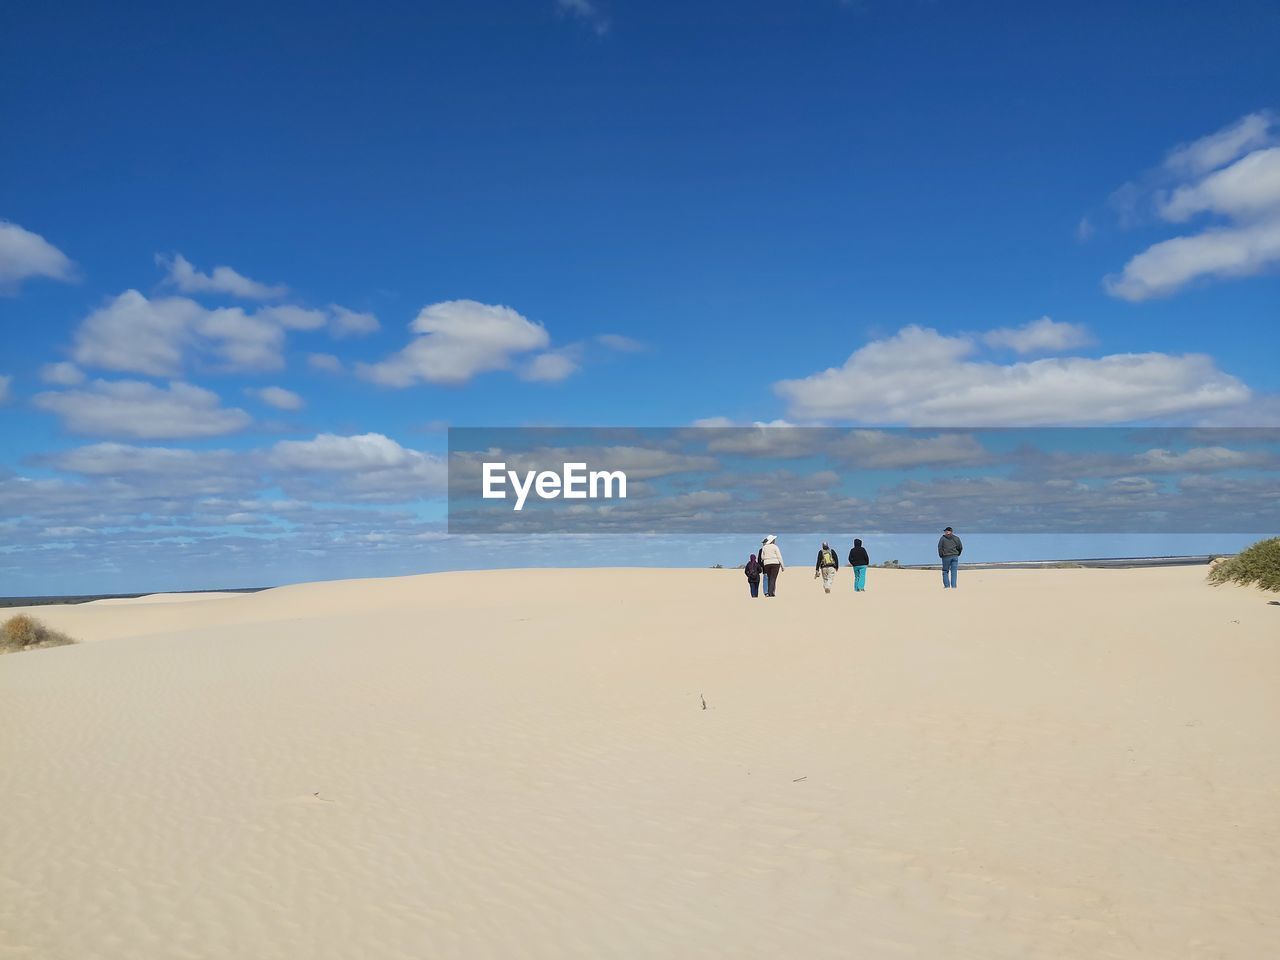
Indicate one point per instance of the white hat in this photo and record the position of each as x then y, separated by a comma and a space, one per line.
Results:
770, 539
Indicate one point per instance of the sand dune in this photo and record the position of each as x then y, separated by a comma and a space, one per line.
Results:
160, 598
1045, 763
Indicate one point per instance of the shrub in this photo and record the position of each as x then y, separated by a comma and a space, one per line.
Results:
27, 633
1260, 565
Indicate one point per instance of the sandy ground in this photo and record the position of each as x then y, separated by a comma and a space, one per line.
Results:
1042, 764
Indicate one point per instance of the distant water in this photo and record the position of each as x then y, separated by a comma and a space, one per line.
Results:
86, 598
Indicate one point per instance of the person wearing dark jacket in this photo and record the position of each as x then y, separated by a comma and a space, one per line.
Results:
827, 564
949, 550
752, 570
859, 559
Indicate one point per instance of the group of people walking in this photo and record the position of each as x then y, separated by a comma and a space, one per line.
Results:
764, 567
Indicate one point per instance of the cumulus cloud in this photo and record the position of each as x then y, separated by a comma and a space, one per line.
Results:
351, 323
136, 335
864, 449
459, 339
1220, 148
24, 254
367, 467
587, 11
920, 377
1233, 177
1039, 336
324, 361
178, 470
137, 410
159, 337
1166, 267
1248, 187
238, 341
183, 275
550, 367
62, 374
5, 382
279, 397
294, 318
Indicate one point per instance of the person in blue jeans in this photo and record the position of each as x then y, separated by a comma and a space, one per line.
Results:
753, 571
949, 550
859, 560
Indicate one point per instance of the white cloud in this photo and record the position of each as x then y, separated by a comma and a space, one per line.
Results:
1166, 267
293, 317
136, 335
616, 341
350, 323
331, 452
5, 382
550, 367
24, 254
1039, 336
62, 374
131, 408
1218, 149
587, 11
864, 449
324, 361
370, 467
460, 338
920, 377
159, 337
1232, 175
279, 397
1084, 229
121, 459
1248, 188
242, 341
183, 275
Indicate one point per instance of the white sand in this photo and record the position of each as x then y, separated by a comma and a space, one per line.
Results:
1043, 764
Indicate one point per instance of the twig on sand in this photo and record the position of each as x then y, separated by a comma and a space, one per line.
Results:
320, 798
704, 701
798, 779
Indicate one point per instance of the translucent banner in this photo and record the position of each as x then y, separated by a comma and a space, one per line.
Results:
747, 479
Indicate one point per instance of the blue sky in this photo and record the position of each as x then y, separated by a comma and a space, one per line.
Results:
604, 213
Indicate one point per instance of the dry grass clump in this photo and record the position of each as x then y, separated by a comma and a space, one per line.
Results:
1259, 564
27, 633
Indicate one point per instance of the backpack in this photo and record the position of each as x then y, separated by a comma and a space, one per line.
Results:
753, 569
828, 558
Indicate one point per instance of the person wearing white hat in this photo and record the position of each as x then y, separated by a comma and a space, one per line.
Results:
764, 574
771, 559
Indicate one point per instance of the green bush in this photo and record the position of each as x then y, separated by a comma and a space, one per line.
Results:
1260, 565
27, 633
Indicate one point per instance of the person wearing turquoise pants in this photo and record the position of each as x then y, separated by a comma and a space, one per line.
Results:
859, 559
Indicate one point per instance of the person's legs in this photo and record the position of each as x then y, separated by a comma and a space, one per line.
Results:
860, 578
774, 570
955, 569
755, 587
949, 571
828, 575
